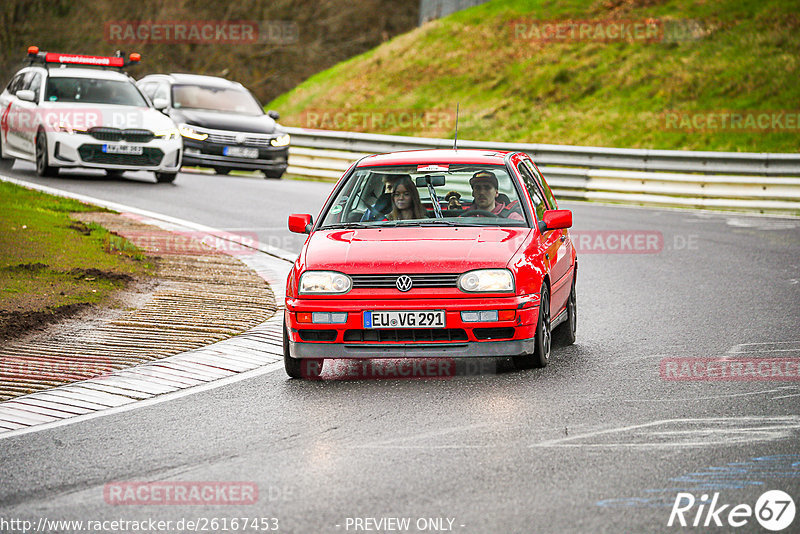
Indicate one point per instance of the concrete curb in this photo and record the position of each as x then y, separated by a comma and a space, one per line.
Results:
256, 351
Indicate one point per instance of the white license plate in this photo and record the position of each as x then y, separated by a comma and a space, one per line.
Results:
404, 319
240, 152
123, 149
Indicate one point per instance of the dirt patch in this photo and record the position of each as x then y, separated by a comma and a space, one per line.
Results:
14, 324
97, 274
25, 267
80, 227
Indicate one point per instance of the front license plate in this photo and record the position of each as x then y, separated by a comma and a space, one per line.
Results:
123, 149
404, 319
240, 152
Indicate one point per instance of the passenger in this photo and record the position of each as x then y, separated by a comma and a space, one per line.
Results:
383, 205
405, 200
484, 192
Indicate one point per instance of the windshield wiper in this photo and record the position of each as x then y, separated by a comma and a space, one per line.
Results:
348, 225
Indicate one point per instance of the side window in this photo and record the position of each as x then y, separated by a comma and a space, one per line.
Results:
551, 200
16, 83
536, 196
34, 83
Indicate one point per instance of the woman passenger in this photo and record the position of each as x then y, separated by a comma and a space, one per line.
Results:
405, 201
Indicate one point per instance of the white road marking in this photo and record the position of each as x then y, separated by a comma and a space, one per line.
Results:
690, 432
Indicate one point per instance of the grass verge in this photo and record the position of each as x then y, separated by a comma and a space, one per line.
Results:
52, 265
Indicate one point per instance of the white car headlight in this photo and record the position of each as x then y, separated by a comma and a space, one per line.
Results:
66, 127
168, 135
487, 281
324, 283
282, 140
191, 133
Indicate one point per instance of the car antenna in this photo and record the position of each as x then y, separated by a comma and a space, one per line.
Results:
455, 139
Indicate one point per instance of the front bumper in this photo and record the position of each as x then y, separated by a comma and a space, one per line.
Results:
83, 150
208, 154
458, 340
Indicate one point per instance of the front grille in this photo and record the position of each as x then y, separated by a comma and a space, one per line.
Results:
104, 133
317, 335
94, 154
225, 139
506, 332
389, 280
389, 335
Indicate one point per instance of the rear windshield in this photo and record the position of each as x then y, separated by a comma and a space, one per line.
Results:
420, 195
92, 91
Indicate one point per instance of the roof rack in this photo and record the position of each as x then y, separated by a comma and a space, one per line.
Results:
47, 59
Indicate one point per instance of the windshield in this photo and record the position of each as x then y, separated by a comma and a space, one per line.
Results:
215, 99
93, 91
466, 195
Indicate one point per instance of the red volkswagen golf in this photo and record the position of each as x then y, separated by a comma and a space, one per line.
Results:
432, 253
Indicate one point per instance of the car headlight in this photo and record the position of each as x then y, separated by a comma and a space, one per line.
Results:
486, 281
191, 133
282, 140
168, 135
66, 127
324, 283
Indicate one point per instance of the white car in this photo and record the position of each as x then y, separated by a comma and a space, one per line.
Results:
58, 112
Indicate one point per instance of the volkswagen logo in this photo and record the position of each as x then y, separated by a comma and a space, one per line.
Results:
404, 283
240, 139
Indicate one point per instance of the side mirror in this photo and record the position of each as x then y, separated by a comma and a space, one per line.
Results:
555, 220
273, 114
300, 223
27, 95
161, 104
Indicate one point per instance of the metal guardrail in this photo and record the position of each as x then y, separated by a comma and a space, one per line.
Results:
762, 182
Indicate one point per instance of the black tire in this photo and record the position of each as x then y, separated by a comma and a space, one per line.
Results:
43, 167
166, 177
542, 343
307, 368
221, 170
114, 173
273, 175
565, 334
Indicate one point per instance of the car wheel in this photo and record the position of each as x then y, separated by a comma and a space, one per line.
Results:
43, 167
166, 177
114, 173
541, 352
220, 170
564, 334
310, 368
273, 175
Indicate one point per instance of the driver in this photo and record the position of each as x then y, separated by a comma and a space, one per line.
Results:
485, 193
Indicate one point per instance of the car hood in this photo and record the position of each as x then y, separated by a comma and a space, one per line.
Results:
412, 250
84, 116
225, 121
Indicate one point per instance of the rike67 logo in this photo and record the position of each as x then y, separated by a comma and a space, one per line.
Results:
774, 511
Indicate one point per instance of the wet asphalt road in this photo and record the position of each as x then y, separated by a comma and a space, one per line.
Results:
599, 441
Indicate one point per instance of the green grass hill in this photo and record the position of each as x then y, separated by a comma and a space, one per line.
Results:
703, 60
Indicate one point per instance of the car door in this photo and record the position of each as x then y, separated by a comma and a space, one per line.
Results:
561, 269
8, 118
27, 136
550, 241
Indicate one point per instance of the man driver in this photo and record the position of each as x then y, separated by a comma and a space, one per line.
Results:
485, 193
